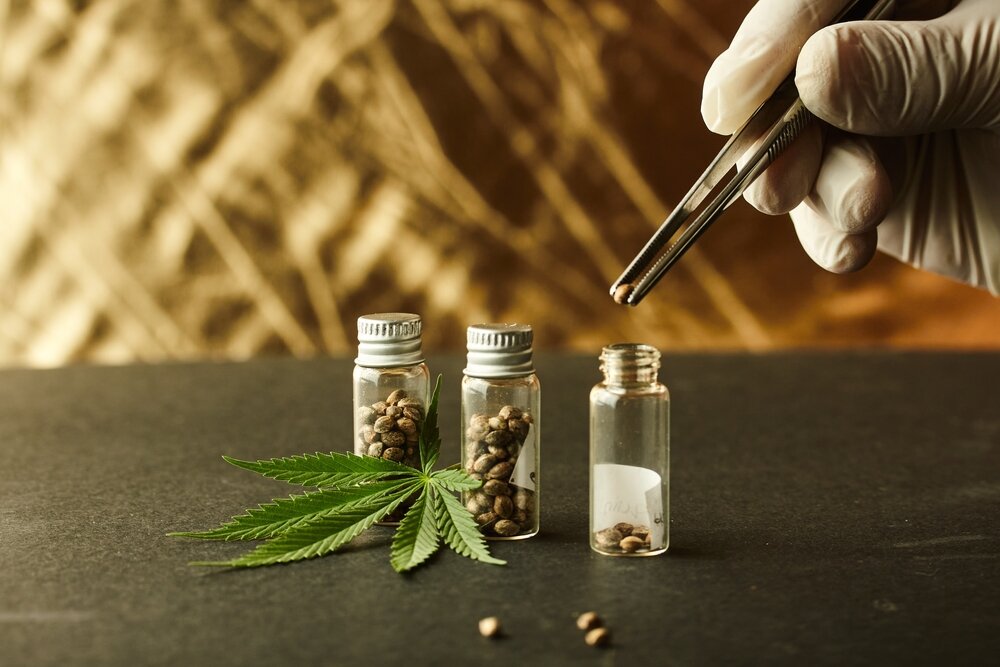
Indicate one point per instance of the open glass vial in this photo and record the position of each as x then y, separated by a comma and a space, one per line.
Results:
500, 409
629, 454
391, 387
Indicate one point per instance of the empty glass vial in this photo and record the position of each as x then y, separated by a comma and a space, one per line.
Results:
629, 454
391, 386
500, 409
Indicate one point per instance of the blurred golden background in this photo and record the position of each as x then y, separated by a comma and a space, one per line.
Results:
186, 179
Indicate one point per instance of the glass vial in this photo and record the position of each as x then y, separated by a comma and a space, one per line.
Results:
629, 454
500, 409
391, 387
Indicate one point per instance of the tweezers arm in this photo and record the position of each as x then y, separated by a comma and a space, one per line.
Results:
774, 125
784, 133
763, 119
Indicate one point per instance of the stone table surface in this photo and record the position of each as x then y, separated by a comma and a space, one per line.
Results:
826, 509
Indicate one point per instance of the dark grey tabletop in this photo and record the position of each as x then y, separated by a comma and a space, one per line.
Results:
825, 509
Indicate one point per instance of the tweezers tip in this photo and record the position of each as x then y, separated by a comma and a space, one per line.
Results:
622, 293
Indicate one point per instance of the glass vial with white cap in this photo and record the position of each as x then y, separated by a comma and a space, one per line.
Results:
629, 454
500, 410
391, 387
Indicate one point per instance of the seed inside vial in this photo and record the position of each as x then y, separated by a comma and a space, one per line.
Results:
631, 544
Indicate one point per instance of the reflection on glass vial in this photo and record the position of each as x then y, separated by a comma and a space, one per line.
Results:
629, 454
500, 409
391, 386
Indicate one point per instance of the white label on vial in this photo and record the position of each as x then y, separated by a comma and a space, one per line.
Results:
628, 494
524, 470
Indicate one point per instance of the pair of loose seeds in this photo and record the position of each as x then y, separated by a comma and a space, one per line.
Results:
597, 634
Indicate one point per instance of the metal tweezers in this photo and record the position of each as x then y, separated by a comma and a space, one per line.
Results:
776, 123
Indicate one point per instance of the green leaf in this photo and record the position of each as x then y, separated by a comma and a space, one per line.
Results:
355, 493
459, 530
417, 536
454, 479
333, 469
430, 437
322, 536
273, 518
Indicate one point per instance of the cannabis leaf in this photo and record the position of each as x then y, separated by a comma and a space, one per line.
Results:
353, 494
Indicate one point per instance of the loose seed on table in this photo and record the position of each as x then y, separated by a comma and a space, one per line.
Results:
589, 620
597, 637
489, 627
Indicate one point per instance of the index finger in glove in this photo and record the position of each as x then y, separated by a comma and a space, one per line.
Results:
760, 56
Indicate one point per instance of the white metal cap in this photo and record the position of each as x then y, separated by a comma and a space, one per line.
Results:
499, 351
389, 340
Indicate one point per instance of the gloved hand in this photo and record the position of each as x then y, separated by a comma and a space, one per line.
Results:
908, 158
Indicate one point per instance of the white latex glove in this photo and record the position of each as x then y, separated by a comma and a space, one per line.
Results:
910, 160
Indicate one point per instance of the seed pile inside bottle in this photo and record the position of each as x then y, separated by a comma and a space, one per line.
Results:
623, 538
390, 429
493, 444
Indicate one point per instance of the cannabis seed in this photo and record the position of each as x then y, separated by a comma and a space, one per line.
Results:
484, 463
509, 412
500, 471
506, 528
607, 538
393, 454
486, 518
519, 428
522, 499
393, 439
495, 487
366, 415
589, 620
489, 627
631, 544
497, 438
396, 396
503, 507
478, 504
498, 451
624, 528
384, 424
407, 425
597, 637
642, 532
